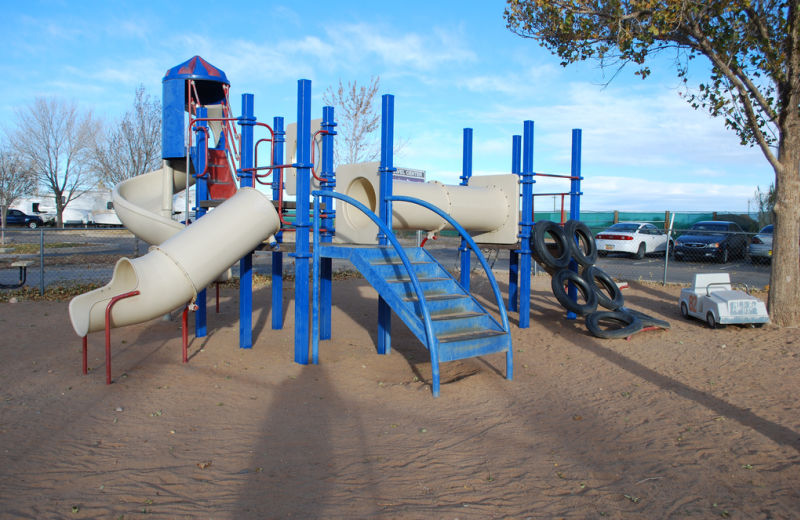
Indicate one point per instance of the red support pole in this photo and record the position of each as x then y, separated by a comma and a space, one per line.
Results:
562, 209
217, 284
85, 354
111, 304
185, 333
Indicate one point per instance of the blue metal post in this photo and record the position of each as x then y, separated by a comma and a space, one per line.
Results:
513, 259
200, 194
277, 256
328, 184
386, 172
575, 202
525, 224
466, 173
247, 122
302, 222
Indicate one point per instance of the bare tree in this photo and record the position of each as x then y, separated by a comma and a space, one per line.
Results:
763, 202
56, 138
16, 180
359, 119
133, 144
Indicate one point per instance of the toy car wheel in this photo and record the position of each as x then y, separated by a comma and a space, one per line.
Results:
684, 310
711, 320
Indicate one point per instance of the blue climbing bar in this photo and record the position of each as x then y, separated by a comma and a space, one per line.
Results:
328, 184
466, 173
525, 225
575, 203
277, 256
201, 194
247, 122
513, 257
386, 172
302, 222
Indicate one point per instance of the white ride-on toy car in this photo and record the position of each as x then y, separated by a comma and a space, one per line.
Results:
713, 299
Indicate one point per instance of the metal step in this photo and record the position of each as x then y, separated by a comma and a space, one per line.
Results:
420, 278
470, 336
457, 316
434, 297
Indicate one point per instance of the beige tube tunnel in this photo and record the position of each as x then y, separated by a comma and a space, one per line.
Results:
487, 208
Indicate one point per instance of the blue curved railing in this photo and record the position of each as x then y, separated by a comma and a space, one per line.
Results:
426, 316
472, 244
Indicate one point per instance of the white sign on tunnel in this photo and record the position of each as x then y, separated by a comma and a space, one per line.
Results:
409, 175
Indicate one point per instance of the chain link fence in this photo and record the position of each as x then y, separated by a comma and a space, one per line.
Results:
77, 256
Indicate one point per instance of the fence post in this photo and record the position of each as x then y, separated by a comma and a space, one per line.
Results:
616, 217
41, 262
666, 255
666, 220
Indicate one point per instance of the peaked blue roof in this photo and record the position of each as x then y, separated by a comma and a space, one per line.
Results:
196, 68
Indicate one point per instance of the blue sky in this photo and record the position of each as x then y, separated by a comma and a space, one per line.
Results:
450, 65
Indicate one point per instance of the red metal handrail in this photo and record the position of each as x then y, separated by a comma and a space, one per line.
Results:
185, 332
111, 304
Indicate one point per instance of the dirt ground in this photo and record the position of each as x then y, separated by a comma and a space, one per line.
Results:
689, 422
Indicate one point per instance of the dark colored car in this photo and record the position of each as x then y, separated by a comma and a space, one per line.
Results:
15, 217
717, 240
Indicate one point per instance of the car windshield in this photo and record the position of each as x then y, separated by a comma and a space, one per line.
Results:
767, 230
718, 228
624, 227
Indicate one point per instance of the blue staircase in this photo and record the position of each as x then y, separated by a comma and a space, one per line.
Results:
461, 326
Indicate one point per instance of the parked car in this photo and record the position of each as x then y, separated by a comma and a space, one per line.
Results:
716, 240
761, 245
636, 238
15, 217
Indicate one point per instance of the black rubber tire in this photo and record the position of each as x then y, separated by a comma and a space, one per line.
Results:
565, 275
611, 301
577, 232
723, 257
711, 321
602, 254
639, 254
33, 225
647, 321
631, 322
685, 311
542, 254
671, 247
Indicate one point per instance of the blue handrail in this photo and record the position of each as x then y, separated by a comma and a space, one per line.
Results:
471, 242
406, 262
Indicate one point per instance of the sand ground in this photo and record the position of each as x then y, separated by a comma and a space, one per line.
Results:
689, 422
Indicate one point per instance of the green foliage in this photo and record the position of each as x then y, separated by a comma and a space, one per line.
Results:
748, 42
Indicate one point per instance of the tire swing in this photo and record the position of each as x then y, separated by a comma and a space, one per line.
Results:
608, 293
579, 233
647, 321
565, 275
542, 254
631, 324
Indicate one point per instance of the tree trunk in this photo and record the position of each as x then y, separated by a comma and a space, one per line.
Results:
784, 287
59, 210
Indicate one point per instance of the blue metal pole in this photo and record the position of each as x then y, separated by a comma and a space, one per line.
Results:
247, 122
526, 222
302, 222
277, 256
200, 194
386, 172
328, 184
513, 260
575, 202
466, 173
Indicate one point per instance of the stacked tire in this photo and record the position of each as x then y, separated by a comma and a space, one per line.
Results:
575, 242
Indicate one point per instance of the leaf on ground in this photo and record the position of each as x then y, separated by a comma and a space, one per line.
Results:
204, 465
75, 509
635, 500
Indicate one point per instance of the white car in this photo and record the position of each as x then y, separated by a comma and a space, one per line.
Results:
713, 299
635, 238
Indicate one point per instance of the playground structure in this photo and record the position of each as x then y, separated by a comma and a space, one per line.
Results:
211, 154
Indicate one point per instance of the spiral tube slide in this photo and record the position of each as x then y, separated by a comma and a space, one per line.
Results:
172, 274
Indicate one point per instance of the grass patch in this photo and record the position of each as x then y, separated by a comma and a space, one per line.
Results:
53, 293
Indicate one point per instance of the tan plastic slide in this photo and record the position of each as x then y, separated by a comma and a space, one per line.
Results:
187, 259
